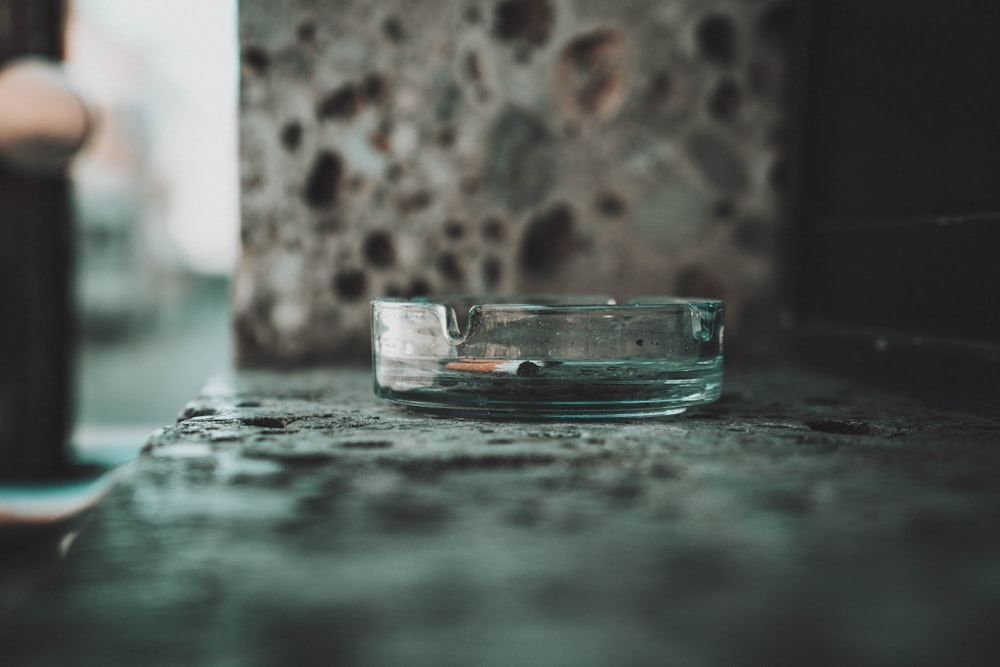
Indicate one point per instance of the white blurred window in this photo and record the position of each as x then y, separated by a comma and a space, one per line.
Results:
164, 74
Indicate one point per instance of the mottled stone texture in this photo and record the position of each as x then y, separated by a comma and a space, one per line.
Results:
402, 148
293, 519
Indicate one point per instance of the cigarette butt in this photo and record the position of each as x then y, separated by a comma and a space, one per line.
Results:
521, 367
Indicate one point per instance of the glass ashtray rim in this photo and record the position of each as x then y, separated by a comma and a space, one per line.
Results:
669, 304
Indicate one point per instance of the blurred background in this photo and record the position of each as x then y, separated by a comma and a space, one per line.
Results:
155, 200
267, 169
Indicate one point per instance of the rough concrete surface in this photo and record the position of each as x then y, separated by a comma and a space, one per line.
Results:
408, 148
291, 519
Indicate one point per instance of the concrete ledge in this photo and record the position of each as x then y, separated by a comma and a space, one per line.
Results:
292, 517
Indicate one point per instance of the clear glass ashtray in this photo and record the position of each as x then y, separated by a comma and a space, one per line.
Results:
562, 357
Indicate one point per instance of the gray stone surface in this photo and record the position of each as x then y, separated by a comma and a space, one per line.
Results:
292, 519
400, 148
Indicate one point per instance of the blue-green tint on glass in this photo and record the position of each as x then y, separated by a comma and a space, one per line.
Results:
549, 357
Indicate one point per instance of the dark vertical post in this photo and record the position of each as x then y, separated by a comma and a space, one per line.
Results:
35, 261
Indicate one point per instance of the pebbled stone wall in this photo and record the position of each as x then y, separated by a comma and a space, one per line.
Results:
404, 148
